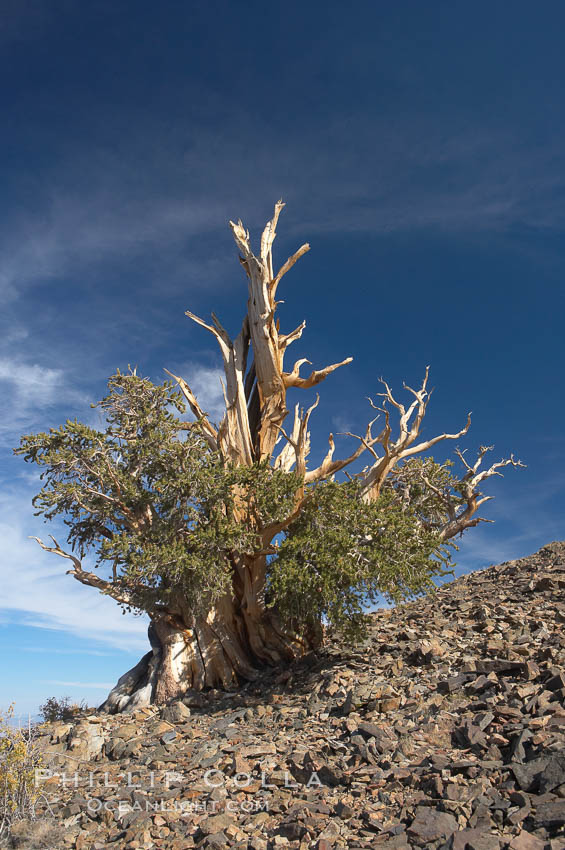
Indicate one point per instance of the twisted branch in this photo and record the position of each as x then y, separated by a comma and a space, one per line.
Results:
410, 422
85, 577
471, 495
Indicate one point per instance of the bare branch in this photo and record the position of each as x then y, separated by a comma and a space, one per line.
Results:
472, 497
88, 578
286, 268
460, 455
293, 379
304, 439
233, 437
389, 397
201, 322
235, 433
410, 423
329, 467
367, 440
286, 340
220, 330
295, 374
210, 432
493, 470
268, 237
422, 447
241, 236
287, 457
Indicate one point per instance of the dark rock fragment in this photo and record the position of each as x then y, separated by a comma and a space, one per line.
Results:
527, 775
549, 814
527, 841
518, 744
472, 839
467, 734
454, 683
292, 830
555, 683
431, 825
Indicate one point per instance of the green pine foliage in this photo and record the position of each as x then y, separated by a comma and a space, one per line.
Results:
341, 555
163, 516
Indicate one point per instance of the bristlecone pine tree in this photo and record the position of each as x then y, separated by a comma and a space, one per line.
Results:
240, 553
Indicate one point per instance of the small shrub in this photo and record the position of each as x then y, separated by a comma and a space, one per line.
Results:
44, 834
60, 709
19, 759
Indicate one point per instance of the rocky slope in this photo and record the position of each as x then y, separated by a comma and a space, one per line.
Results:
446, 729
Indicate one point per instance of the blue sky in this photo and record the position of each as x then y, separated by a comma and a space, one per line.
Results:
419, 148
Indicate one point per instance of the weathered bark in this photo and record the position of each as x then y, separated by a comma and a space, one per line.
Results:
230, 645
256, 399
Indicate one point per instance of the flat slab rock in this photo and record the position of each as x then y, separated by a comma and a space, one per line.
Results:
445, 729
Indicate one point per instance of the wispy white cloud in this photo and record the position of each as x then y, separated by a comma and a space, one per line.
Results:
59, 651
342, 423
205, 383
98, 686
31, 383
376, 179
27, 390
37, 592
86, 228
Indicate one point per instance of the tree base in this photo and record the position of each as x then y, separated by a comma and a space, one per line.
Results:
214, 653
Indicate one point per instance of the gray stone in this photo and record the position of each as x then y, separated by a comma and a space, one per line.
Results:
517, 747
469, 735
472, 839
555, 683
431, 825
549, 814
292, 830
526, 841
384, 740
453, 684
527, 775
216, 841
553, 774
216, 823
169, 737
176, 712
115, 748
